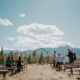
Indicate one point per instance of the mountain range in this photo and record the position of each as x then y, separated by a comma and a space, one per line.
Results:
59, 50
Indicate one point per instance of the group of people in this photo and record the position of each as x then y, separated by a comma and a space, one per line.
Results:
58, 59
11, 62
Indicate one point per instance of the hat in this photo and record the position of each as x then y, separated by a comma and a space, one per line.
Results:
59, 54
54, 51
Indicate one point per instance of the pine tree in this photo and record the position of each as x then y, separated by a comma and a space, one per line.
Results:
34, 54
11, 53
2, 51
34, 57
2, 56
41, 58
29, 58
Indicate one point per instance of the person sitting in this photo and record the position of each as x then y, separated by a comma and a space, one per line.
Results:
59, 61
8, 62
12, 60
19, 65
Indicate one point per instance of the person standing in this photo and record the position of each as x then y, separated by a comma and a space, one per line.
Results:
66, 60
54, 57
74, 54
70, 55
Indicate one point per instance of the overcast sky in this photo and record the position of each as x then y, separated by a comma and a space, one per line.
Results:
30, 24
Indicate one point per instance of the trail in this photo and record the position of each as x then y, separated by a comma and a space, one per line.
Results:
41, 72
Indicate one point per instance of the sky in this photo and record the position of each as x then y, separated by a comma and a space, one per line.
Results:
31, 24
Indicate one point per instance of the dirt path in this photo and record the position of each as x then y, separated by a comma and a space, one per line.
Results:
41, 72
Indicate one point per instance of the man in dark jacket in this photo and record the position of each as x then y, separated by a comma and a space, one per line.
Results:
70, 55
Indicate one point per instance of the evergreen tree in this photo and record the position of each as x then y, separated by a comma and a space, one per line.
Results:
2, 51
34, 57
2, 56
11, 53
29, 58
34, 54
41, 58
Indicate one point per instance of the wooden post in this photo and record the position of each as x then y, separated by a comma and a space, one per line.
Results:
71, 70
64, 68
79, 72
4, 76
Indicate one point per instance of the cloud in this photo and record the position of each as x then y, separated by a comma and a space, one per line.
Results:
33, 44
40, 35
5, 22
5, 48
22, 15
11, 38
40, 29
26, 41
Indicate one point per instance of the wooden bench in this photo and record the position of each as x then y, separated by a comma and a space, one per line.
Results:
71, 66
78, 69
8, 68
11, 69
3, 72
